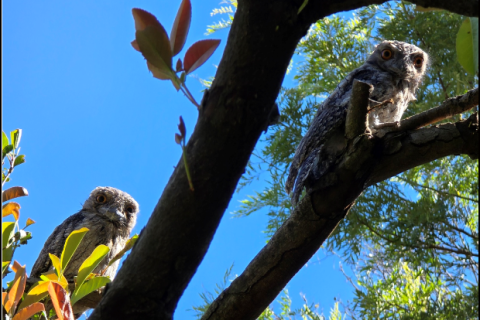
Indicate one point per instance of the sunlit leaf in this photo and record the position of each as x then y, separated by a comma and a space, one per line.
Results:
19, 160
88, 287
5, 141
14, 192
4, 295
8, 229
71, 244
11, 208
198, 53
180, 27
36, 293
29, 222
29, 311
467, 45
155, 47
16, 290
128, 245
90, 264
49, 276
61, 301
15, 137
6, 149
56, 264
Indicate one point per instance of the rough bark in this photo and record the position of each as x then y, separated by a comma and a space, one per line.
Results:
232, 116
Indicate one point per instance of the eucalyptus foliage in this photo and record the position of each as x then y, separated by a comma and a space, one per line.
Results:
412, 240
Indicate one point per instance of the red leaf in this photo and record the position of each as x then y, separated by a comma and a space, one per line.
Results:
61, 301
180, 27
178, 138
29, 311
144, 19
179, 65
11, 208
198, 53
135, 45
16, 290
14, 192
181, 127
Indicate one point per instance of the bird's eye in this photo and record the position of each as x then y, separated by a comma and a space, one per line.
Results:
101, 198
418, 62
387, 54
130, 209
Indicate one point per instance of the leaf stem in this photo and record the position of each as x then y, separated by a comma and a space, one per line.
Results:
187, 93
186, 167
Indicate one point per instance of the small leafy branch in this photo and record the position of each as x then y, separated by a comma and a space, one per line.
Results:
12, 236
54, 284
11, 151
180, 139
158, 49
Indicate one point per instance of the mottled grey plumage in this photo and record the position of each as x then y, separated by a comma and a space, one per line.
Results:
395, 76
110, 215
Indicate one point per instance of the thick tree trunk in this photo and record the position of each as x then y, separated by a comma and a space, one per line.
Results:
232, 116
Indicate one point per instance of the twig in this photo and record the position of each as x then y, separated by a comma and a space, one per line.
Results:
447, 109
381, 104
435, 190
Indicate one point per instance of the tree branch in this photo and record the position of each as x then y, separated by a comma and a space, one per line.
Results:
231, 120
449, 108
366, 162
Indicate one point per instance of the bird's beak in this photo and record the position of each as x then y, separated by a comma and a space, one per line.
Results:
113, 214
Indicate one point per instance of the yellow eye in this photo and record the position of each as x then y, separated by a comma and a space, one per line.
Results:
418, 62
387, 54
101, 198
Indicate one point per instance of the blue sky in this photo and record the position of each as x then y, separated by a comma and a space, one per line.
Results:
92, 115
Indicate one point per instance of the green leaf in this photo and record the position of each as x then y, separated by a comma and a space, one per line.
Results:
128, 246
16, 136
89, 287
467, 45
19, 160
4, 140
7, 255
56, 263
91, 263
36, 293
71, 244
6, 149
7, 233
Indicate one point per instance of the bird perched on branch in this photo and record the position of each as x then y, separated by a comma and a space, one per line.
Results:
110, 215
395, 69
